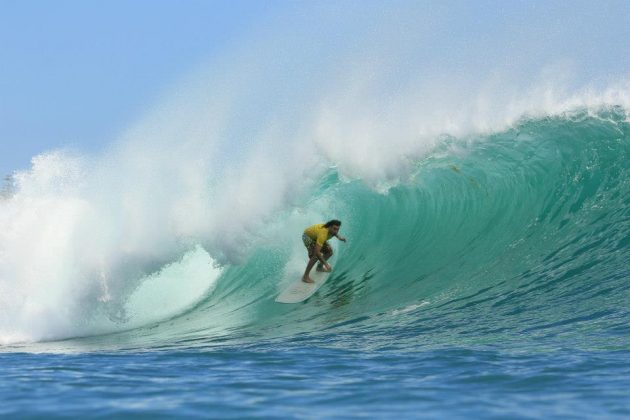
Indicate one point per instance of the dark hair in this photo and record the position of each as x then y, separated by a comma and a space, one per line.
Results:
333, 222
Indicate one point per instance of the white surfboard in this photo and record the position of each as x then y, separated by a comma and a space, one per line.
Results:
298, 291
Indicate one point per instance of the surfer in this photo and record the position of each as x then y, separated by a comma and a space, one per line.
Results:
315, 240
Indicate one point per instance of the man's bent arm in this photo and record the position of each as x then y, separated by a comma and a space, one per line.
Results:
318, 254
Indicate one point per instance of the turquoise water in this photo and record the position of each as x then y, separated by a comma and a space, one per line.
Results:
491, 280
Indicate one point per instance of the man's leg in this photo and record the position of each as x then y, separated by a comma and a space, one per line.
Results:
312, 259
309, 267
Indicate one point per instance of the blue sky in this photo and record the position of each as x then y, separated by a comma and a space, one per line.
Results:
77, 73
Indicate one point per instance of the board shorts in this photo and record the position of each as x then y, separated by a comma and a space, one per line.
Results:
310, 246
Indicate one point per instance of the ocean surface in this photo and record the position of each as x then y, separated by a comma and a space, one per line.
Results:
492, 281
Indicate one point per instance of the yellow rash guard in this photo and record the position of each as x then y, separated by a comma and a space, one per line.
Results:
318, 233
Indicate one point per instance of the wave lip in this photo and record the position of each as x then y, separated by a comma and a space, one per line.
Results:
519, 235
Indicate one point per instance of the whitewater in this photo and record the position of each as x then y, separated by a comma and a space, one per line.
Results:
486, 270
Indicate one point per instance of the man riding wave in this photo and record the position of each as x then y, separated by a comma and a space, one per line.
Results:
315, 240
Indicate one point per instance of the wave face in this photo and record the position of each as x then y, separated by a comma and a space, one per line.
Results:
520, 235
494, 271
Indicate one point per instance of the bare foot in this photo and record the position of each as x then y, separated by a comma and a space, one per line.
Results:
307, 280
